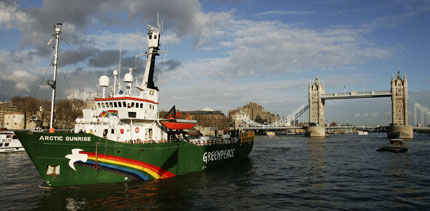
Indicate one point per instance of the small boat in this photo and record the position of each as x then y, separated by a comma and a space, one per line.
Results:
174, 122
178, 124
9, 142
394, 145
362, 133
270, 133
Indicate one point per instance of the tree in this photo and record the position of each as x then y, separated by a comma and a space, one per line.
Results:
66, 111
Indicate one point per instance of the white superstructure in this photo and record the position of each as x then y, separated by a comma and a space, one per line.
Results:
127, 112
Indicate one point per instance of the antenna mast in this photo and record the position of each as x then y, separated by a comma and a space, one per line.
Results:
53, 83
119, 63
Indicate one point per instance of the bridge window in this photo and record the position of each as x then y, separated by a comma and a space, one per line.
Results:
115, 105
150, 36
124, 104
119, 104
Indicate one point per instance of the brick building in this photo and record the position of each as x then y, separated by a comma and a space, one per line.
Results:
255, 113
14, 120
8, 107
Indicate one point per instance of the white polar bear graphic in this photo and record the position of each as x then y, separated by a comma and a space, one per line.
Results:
76, 156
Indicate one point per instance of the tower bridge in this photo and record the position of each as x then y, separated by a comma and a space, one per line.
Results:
399, 128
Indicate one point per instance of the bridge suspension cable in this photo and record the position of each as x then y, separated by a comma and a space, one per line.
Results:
423, 110
245, 118
286, 120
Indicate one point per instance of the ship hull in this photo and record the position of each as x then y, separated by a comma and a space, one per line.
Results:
77, 159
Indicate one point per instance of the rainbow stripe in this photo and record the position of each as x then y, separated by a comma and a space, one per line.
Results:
134, 169
108, 113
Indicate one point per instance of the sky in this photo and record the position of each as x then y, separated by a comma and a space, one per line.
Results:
224, 54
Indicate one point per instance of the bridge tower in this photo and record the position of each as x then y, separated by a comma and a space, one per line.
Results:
400, 127
316, 103
316, 110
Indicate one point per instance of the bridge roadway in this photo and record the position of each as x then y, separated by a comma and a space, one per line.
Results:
354, 94
267, 127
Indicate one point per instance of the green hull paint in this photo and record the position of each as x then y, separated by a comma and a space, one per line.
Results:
109, 162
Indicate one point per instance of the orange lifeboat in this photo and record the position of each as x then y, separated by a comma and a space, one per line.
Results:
178, 124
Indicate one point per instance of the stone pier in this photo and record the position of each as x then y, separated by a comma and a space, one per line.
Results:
400, 132
315, 131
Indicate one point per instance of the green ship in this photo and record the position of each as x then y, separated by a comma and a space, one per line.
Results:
123, 138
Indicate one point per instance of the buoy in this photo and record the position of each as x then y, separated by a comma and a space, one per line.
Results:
51, 130
137, 130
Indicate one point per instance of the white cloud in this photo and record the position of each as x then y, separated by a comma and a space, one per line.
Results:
136, 41
257, 48
373, 114
284, 12
366, 115
25, 79
10, 15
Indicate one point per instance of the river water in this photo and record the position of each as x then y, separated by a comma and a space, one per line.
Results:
340, 172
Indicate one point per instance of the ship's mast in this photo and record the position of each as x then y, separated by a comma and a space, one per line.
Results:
53, 83
153, 51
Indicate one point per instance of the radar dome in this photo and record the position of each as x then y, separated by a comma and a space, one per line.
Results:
128, 78
104, 81
115, 72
